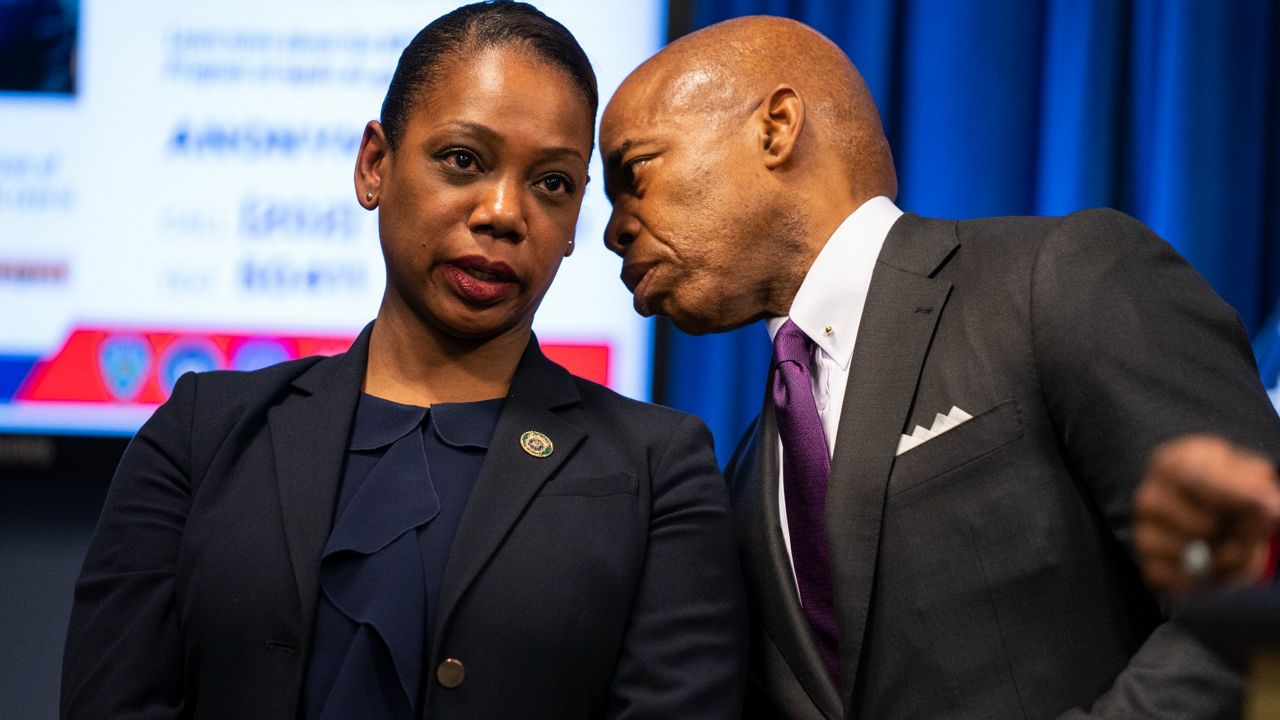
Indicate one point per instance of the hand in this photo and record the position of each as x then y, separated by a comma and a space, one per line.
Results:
1203, 488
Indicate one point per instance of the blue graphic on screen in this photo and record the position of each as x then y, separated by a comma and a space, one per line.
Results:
124, 361
186, 356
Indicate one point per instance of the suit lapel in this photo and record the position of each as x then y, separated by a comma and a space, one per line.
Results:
768, 569
510, 477
902, 309
309, 432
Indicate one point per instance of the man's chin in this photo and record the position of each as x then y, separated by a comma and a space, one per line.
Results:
696, 324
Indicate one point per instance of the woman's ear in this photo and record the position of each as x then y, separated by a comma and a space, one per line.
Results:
371, 163
781, 120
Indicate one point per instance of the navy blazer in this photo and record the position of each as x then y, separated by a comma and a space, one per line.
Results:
601, 581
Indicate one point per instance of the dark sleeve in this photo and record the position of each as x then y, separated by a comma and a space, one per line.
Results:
684, 654
123, 656
1133, 348
733, 478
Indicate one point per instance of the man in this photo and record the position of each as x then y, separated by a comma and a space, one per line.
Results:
1206, 515
934, 504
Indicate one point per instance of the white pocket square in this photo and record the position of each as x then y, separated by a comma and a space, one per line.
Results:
941, 424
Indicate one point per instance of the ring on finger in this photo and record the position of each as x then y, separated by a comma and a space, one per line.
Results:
1197, 560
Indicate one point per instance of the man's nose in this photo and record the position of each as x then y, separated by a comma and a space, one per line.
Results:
498, 211
621, 231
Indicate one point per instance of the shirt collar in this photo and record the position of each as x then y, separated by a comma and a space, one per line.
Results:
380, 422
466, 424
828, 306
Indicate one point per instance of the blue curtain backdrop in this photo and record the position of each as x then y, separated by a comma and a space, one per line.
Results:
1166, 109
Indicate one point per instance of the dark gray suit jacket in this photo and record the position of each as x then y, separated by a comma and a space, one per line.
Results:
598, 582
988, 572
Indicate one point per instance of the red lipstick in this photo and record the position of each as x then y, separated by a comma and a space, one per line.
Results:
480, 281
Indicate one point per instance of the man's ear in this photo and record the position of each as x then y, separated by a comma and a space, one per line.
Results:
781, 120
371, 163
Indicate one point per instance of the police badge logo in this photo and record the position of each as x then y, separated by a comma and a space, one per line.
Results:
124, 361
184, 355
536, 444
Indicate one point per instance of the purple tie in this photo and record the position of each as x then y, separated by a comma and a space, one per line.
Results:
805, 468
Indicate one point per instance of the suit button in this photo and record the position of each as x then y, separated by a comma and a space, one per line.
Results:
451, 672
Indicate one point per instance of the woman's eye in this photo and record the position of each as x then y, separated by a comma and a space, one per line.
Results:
463, 160
556, 184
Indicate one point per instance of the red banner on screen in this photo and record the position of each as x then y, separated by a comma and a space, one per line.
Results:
140, 366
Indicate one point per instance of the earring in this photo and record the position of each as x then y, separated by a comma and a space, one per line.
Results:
368, 197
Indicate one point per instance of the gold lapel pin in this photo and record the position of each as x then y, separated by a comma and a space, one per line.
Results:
536, 444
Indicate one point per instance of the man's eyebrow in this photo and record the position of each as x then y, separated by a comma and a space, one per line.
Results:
615, 157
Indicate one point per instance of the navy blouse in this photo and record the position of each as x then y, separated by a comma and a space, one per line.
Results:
409, 471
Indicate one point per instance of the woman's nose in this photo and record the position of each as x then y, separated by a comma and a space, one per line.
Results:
498, 211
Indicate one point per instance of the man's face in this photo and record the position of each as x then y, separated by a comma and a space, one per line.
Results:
689, 204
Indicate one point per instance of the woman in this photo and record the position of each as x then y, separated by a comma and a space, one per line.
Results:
439, 523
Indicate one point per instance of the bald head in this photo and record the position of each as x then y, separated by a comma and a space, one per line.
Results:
726, 70
730, 158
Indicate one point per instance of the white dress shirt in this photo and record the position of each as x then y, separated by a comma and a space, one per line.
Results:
828, 308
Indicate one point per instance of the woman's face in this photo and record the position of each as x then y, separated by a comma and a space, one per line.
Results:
479, 202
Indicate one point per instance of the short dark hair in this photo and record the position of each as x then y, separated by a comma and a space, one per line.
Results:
469, 30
